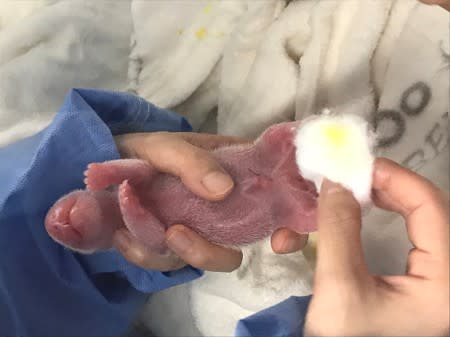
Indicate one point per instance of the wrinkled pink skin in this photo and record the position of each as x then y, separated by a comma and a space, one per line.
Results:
269, 194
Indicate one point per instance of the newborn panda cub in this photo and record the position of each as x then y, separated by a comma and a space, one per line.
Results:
276, 183
269, 194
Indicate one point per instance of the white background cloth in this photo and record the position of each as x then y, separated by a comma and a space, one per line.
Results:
49, 47
253, 63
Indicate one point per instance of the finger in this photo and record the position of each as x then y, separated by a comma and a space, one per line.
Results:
443, 3
138, 254
196, 167
285, 241
339, 250
211, 142
200, 253
424, 207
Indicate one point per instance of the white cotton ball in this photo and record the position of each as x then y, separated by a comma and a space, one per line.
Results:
339, 148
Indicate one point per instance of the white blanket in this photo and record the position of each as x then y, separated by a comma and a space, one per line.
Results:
48, 47
253, 63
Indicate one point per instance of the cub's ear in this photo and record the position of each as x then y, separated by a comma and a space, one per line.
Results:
279, 138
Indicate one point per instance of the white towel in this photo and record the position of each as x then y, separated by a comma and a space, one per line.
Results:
264, 85
178, 43
49, 47
412, 118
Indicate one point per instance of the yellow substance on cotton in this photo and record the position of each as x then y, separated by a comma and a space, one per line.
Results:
201, 33
336, 135
340, 143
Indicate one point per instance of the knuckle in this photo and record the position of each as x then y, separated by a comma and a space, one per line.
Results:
176, 264
341, 215
201, 159
172, 260
199, 260
136, 256
415, 254
148, 260
160, 136
172, 264
185, 159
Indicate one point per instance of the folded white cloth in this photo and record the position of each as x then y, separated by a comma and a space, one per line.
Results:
178, 43
48, 47
261, 90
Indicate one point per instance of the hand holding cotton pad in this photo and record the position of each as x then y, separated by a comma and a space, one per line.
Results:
339, 148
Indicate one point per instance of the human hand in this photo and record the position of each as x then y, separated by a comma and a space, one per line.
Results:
443, 3
348, 300
186, 155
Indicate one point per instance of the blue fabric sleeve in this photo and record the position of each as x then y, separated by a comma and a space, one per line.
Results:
285, 319
46, 290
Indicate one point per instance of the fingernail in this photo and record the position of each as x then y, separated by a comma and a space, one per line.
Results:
179, 242
329, 187
289, 245
217, 183
293, 243
121, 240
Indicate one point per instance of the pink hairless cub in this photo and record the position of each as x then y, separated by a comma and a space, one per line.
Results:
269, 194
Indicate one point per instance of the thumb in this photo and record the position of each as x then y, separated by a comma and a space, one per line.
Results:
339, 249
171, 153
198, 170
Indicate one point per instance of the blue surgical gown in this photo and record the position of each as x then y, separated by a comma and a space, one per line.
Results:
47, 290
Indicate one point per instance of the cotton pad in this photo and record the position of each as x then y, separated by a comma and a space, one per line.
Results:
339, 148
